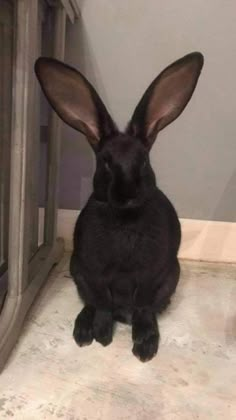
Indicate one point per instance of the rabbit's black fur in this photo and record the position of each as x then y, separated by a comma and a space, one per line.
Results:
127, 237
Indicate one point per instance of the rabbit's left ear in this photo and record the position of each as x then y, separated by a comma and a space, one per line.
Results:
166, 98
74, 99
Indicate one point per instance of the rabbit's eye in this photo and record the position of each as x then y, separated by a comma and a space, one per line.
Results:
144, 164
107, 164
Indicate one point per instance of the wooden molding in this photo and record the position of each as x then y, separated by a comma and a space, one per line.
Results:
71, 7
76, 7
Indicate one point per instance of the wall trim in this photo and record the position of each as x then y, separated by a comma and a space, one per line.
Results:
201, 239
208, 240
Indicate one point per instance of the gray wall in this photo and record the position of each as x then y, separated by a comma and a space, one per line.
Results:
121, 46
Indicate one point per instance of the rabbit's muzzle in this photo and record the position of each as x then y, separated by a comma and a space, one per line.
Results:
125, 194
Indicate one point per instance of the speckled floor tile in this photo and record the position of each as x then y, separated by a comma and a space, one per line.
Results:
193, 376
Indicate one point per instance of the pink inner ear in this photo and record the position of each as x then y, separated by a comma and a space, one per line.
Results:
72, 99
169, 97
82, 118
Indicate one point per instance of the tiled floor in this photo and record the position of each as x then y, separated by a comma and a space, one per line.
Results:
192, 377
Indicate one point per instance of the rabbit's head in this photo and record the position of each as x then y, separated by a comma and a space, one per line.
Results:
124, 177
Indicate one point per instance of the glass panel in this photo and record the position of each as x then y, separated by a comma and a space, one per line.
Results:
47, 41
6, 52
47, 33
40, 143
35, 136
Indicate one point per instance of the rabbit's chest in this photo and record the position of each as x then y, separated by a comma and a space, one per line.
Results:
121, 250
108, 246
124, 246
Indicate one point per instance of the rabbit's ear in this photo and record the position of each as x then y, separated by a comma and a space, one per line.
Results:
74, 99
166, 97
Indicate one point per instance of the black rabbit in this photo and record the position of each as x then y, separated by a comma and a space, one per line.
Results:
127, 237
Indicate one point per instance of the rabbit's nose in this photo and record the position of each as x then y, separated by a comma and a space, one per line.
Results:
125, 190
123, 194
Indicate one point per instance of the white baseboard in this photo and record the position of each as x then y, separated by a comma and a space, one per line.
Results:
66, 220
201, 240
208, 240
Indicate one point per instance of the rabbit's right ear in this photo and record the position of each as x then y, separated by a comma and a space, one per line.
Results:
166, 98
74, 99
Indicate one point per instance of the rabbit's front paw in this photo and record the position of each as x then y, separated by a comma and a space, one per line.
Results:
146, 349
103, 327
145, 334
83, 329
144, 325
